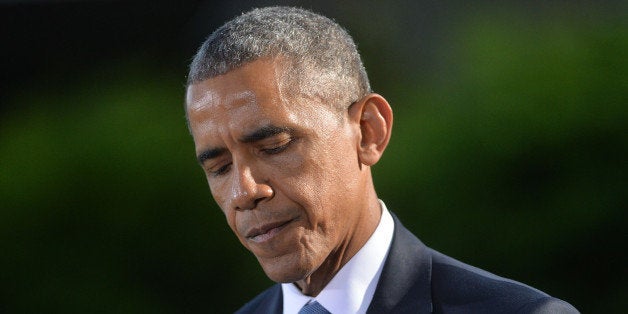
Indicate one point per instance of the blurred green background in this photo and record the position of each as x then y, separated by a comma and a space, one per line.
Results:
509, 148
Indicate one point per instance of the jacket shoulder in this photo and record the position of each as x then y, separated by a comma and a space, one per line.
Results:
458, 287
269, 301
548, 305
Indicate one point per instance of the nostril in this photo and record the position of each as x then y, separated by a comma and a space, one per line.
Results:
257, 201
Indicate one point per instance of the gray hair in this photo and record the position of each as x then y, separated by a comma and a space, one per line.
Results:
322, 59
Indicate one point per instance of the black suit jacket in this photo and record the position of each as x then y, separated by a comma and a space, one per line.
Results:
417, 279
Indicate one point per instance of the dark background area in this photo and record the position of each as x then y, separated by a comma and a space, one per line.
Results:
509, 148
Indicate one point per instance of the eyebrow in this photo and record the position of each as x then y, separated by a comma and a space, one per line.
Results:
264, 133
209, 154
257, 135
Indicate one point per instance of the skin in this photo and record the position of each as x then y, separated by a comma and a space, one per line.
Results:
292, 178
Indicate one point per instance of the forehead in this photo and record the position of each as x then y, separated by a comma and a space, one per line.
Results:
257, 79
251, 92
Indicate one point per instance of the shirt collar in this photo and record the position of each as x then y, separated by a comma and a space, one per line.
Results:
353, 287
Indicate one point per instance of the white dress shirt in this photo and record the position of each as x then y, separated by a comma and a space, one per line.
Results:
353, 287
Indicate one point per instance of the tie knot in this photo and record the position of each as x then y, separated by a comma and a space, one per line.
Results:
313, 308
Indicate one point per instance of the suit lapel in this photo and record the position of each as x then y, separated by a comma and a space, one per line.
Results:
272, 302
405, 283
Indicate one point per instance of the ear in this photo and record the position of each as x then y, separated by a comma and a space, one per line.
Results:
375, 118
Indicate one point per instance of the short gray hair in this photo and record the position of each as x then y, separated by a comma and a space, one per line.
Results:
323, 60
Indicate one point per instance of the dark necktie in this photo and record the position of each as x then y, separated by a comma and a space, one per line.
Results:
313, 308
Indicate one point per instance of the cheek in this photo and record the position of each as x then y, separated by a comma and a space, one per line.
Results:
311, 185
299, 176
230, 215
219, 190
221, 200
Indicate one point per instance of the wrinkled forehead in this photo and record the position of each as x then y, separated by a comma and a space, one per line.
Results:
202, 97
212, 112
243, 98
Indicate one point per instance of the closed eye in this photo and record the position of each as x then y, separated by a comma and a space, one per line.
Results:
221, 170
279, 148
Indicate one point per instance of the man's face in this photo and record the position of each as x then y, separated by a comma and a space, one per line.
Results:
283, 169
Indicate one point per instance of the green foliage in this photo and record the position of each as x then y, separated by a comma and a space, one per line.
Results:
514, 158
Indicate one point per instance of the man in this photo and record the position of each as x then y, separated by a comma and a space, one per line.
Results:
286, 129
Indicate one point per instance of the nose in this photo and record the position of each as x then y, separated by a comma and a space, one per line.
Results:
247, 190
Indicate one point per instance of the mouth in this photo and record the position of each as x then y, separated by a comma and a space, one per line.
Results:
267, 231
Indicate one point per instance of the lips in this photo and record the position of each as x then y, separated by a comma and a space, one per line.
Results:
266, 231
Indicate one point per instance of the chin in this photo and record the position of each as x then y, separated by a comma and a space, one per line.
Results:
285, 270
